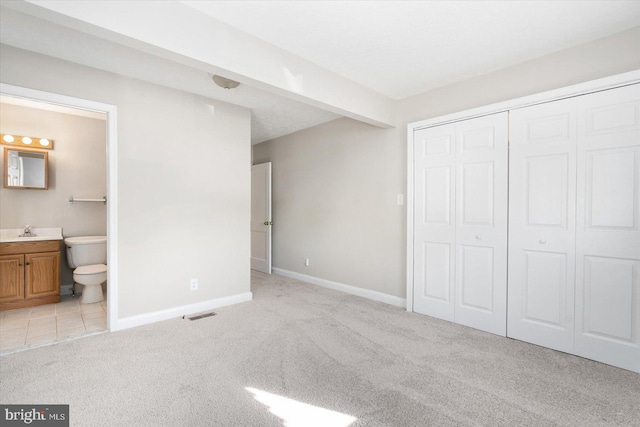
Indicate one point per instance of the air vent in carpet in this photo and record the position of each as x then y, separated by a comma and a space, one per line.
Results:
200, 316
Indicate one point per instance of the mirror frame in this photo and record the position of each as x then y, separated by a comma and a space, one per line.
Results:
6, 167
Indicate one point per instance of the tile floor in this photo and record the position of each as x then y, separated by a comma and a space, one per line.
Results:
35, 326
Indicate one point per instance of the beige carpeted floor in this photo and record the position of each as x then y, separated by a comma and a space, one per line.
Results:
314, 346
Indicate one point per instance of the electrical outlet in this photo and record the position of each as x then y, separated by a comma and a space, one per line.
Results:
194, 284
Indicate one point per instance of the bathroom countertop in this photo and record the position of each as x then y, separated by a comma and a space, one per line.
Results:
8, 235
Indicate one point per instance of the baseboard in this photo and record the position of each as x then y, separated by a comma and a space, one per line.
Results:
157, 316
365, 293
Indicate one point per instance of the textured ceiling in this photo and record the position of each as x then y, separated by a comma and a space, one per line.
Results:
402, 48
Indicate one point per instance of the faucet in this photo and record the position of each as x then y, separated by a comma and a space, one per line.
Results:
27, 232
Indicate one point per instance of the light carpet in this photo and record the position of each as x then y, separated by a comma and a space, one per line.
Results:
314, 346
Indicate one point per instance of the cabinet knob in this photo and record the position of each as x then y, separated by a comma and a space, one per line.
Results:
542, 241
478, 236
27, 263
19, 264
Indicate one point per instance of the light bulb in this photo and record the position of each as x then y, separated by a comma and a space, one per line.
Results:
8, 138
26, 140
44, 142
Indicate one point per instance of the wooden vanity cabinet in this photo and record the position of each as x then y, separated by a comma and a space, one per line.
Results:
29, 274
11, 278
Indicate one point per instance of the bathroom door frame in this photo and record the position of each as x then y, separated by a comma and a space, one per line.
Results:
112, 179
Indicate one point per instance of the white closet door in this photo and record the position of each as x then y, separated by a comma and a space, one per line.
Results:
434, 225
542, 191
460, 229
608, 229
481, 223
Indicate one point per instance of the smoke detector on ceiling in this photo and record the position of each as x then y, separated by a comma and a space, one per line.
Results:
224, 82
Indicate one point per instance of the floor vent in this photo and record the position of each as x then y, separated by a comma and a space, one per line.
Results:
200, 316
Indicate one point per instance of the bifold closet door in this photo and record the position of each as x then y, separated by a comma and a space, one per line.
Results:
608, 228
542, 198
574, 226
434, 223
460, 222
481, 223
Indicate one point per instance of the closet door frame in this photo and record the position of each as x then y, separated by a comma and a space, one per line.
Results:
611, 82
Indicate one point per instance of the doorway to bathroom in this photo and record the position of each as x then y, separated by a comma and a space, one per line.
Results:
82, 163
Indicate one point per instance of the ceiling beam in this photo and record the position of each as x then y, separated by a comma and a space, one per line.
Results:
175, 31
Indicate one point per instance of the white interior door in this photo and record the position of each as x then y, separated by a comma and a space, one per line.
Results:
542, 191
481, 223
434, 224
608, 228
261, 221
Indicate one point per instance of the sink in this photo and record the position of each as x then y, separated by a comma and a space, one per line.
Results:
8, 235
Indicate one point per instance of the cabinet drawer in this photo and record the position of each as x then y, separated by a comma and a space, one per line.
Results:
12, 248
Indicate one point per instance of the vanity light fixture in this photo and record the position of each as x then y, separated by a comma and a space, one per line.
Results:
26, 141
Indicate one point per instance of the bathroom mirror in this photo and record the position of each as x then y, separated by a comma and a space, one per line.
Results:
27, 169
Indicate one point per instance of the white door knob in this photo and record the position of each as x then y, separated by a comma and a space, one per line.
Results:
542, 241
478, 236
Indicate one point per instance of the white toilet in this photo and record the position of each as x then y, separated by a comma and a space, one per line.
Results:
87, 255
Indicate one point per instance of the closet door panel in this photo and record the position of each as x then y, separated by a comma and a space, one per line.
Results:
542, 191
476, 288
544, 281
546, 179
481, 223
608, 229
434, 226
476, 190
610, 189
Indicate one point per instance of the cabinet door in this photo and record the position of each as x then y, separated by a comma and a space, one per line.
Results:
481, 223
434, 224
42, 274
542, 191
608, 228
11, 278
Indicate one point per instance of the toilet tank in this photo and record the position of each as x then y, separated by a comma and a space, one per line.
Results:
86, 250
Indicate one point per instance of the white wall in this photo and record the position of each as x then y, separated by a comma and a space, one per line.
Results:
77, 166
183, 183
335, 185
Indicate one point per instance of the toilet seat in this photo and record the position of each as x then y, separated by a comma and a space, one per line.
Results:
91, 269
